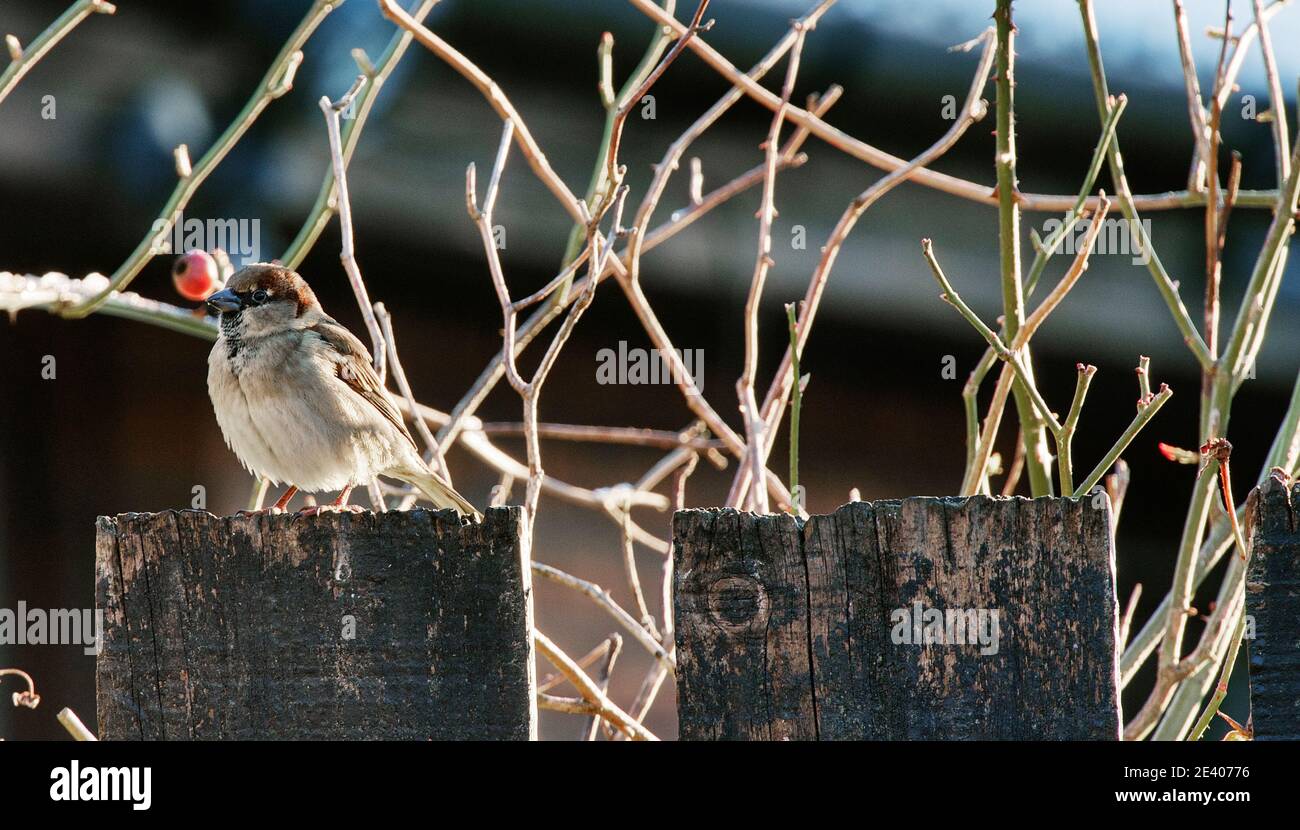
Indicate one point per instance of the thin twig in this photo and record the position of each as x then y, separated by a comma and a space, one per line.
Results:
633, 436
1117, 488
54, 292
1072, 275
1145, 413
1221, 690
399, 374
555, 679
529, 390
1126, 622
598, 187
1195, 107
973, 110
1045, 249
1017, 463
756, 432
655, 678
503, 463
1214, 255
499, 102
796, 405
75, 727
567, 705
588, 689
24, 58
1129, 205
1148, 404
1037, 461
494, 370
1276, 102
1241, 49
1023, 377
885, 161
1221, 451
625, 106
326, 203
1212, 232
633, 578
578, 210
1171, 697
615, 646
1070, 424
277, 81
606, 602
347, 251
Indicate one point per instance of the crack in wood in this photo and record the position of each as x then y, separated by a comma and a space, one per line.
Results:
829, 664
240, 623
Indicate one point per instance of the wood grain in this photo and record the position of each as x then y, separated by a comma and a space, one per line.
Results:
788, 629
237, 627
1273, 599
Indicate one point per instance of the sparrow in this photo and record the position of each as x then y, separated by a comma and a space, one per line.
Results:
297, 397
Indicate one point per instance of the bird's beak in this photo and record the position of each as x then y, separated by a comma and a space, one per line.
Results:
224, 300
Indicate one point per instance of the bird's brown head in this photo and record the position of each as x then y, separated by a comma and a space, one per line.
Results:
263, 297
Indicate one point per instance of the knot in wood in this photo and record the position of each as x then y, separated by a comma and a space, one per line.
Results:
738, 604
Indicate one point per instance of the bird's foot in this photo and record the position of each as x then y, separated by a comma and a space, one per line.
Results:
275, 509
265, 511
316, 510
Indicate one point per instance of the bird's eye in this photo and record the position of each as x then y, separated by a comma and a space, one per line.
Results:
260, 296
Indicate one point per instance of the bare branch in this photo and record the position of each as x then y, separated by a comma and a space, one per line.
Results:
589, 690
277, 81
606, 603
347, 253
23, 59
885, 161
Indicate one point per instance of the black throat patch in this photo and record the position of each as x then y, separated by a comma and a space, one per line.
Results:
231, 324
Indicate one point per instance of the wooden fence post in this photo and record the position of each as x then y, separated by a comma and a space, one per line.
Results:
1273, 599
399, 625
818, 629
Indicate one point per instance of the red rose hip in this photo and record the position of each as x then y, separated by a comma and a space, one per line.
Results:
195, 276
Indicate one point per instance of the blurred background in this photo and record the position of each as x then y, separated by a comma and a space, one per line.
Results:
126, 424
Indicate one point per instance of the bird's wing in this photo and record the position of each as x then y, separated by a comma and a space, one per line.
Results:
355, 369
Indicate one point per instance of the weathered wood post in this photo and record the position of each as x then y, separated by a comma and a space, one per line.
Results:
926, 618
399, 625
1273, 599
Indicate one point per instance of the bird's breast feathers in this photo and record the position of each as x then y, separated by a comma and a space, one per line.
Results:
289, 414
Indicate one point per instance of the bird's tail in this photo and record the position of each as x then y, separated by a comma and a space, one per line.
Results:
436, 489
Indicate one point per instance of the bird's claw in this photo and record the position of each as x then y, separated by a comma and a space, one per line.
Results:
331, 508
265, 511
